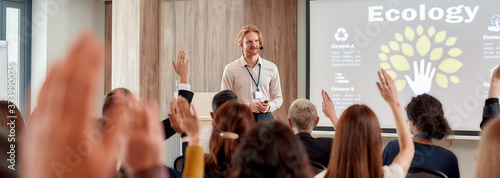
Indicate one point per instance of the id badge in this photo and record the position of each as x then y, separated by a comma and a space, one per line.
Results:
257, 95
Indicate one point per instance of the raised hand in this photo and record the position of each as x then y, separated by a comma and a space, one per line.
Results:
329, 108
174, 120
190, 124
423, 81
145, 138
389, 93
387, 88
64, 140
182, 66
495, 84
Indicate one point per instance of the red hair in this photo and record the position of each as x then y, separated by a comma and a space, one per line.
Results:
249, 28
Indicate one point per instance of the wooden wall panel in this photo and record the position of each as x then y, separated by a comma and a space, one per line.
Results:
108, 20
149, 49
167, 75
207, 29
195, 38
225, 19
284, 52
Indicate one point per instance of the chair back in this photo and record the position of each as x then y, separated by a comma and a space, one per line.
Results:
421, 172
179, 164
317, 167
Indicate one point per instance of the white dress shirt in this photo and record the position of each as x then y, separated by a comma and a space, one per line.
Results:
237, 79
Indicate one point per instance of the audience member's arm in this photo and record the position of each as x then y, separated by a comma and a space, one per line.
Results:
65, 141
407, 150
329, 108
194, 164
145, 142
183, 71
181, 68
174, 113
491, 107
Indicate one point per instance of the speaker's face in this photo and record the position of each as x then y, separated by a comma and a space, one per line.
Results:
251, 43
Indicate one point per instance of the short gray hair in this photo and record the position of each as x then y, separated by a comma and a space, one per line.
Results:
303, 115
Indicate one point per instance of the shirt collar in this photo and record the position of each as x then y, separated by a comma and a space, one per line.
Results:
304, 135
243, 63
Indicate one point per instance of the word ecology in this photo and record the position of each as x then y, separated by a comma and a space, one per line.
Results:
453, 14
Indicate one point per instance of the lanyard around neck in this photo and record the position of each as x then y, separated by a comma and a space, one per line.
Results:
258, 80
423, 136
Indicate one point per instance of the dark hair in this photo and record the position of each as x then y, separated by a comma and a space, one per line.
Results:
109, 99
271, 149
427, 113
17, 121
357, 147
231, 117
5, 170
221, 97
5, 110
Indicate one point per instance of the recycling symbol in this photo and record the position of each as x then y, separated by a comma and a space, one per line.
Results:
341, 34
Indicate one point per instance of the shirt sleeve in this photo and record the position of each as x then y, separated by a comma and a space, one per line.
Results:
184, 86
275, 91
194, 164
393, 171
491, 110
227, 80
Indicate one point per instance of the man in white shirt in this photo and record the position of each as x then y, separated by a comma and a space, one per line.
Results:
255, 80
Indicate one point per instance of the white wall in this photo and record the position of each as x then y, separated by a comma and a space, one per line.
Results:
56, 23
465, 150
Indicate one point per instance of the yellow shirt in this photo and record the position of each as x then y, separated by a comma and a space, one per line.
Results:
194, 164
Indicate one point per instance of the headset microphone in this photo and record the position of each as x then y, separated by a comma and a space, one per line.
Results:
261, 48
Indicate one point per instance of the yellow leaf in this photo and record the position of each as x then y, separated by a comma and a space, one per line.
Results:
392, 74
399, 37
423, 45
409, 33
454, 79
440, 37
450, 65
451, 41
431, 31
400, 85
382, 56
407, 49
420, 30
441, 80
454, 52
394, 45
400, 63
436, 54
385, 65
385, 49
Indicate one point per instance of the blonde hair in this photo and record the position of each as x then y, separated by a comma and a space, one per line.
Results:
488, 156
303, 115
249, 28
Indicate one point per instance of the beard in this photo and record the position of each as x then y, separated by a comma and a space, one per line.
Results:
252, 52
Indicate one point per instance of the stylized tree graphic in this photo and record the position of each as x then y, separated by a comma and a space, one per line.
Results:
495, 20
431, 47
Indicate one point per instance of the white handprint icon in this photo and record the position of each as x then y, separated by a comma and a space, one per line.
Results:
423, 81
